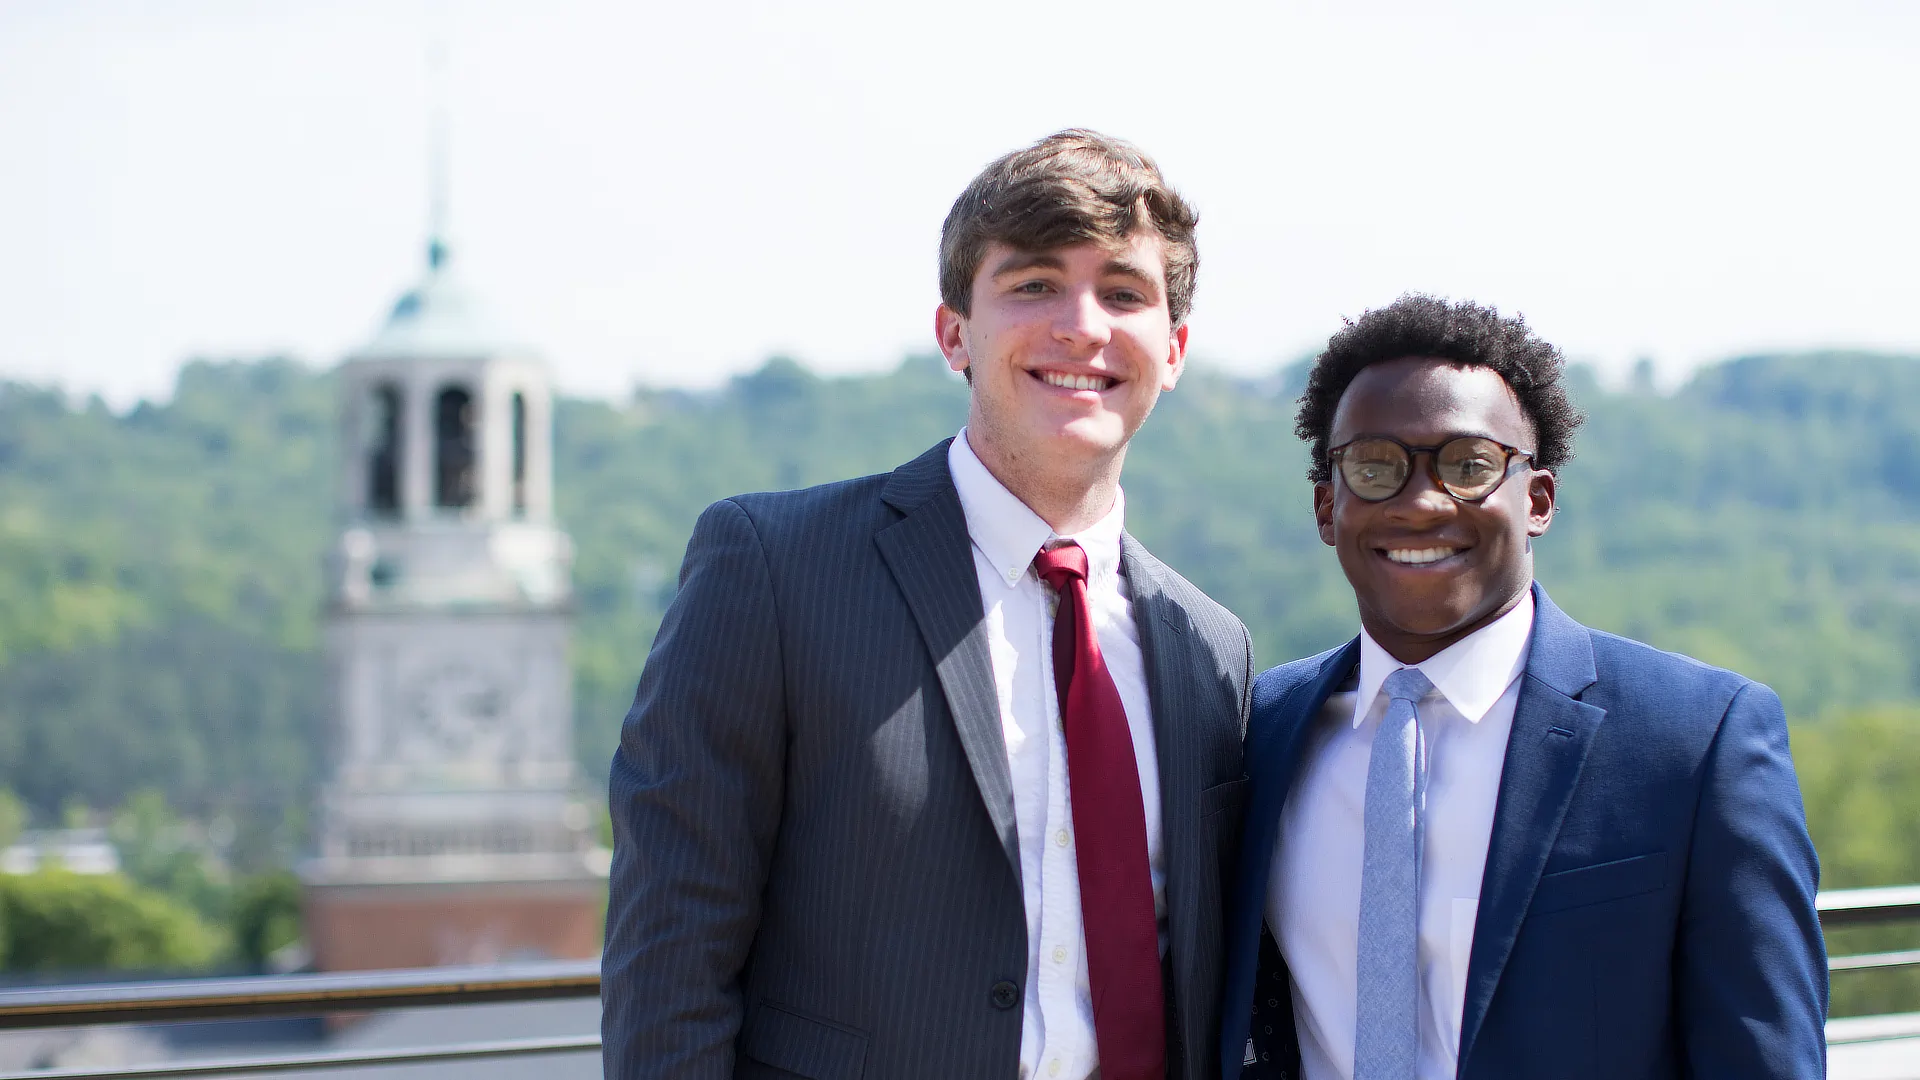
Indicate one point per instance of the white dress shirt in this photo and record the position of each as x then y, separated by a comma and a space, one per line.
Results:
1313, 895
1056, 1031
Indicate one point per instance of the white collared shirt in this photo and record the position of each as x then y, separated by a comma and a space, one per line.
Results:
1313, 894
1056, 1031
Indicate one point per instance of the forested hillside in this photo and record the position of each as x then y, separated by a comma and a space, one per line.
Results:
160, 568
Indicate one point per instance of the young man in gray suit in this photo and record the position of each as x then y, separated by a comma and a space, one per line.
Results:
936, 773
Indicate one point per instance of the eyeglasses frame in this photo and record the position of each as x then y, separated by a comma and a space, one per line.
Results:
1514, 454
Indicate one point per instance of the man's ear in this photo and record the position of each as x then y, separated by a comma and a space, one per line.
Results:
950, 332
1176, 357
1323, 510
1540, 502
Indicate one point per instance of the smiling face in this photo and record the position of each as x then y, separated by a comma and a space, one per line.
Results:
1067, 351
1428, 569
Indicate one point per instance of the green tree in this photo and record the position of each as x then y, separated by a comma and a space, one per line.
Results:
59, 921
266, 916
1860, 777
13, 818
158, 851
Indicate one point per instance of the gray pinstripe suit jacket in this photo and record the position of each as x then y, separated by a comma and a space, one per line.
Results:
815, 870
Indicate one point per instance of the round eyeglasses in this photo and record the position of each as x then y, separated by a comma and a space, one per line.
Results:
1467, 467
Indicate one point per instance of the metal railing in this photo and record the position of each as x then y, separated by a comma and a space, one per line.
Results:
308, 995
259, 997
1847, 908
253, 997
250, 1066
1867, 907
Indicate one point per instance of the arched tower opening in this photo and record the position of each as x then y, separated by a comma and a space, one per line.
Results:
455, 449
519, 454
383, 452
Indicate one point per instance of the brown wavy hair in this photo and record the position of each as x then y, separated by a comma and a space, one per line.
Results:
1069, 188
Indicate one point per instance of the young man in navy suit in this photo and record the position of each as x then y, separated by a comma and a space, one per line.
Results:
1484, 841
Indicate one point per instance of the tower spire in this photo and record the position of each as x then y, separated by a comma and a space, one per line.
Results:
439, 148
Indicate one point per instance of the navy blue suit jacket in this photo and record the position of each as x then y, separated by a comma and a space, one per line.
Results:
1648, 904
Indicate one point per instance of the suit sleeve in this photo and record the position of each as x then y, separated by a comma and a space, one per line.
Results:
1246, 686
695, 794
1751, 990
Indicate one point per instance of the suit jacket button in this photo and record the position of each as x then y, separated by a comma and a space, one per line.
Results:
1005, 995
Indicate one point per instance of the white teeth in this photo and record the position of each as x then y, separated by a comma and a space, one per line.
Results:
1419, 556
1075, 382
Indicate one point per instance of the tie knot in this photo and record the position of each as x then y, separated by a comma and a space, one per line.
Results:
1407, 684
1059, 565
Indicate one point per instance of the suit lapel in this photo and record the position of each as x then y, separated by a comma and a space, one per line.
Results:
1276, 732
931, 558
1166, 654
1551, 733
1273, 754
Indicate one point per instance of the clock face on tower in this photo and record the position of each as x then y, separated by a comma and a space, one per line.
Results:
454, 712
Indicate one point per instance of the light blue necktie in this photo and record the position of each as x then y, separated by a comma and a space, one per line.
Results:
1386, 1038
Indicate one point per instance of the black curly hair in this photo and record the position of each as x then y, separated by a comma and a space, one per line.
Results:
1464, 333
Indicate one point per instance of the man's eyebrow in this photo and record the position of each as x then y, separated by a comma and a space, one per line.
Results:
1029, 260
1441, 441
1021, 261
1127, 268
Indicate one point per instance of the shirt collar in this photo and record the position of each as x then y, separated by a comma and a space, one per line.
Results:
1471, 673
1010, 534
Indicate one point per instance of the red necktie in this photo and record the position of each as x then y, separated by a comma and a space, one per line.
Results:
1116, 887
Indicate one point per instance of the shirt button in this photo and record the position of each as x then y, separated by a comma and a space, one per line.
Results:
1059, 954
1061, 838
1053, 1069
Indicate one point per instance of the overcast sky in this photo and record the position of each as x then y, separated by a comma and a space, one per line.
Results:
669, 193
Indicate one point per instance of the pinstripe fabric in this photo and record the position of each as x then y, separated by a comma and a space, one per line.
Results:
815, 871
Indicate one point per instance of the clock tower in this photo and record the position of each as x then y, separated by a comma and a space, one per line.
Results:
451, 829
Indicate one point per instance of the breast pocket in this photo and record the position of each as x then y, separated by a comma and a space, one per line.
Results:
1584, 886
